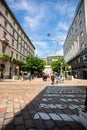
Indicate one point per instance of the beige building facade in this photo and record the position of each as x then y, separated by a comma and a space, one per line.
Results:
47, 69
75, 46
50, 59
13, 41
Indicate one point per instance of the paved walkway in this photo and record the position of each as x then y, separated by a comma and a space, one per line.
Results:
37, 105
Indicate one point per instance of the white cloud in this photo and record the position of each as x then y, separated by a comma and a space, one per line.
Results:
44, 49
41, 44
20, 5
41, 48
62, 26
34, 22
34, 14
60, 7
41, 18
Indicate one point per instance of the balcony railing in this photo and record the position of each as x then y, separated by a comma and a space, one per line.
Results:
5, 41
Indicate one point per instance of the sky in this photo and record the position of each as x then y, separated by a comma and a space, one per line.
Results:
46, 22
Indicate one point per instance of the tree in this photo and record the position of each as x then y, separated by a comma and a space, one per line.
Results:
35, 64
23, 66
56, 65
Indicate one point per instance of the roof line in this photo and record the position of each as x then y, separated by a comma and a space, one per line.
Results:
5, 3
76, 11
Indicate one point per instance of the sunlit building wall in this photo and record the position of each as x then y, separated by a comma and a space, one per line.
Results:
13, 40
75, 46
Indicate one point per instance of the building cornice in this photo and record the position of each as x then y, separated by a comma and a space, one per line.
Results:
75, 14
6, 5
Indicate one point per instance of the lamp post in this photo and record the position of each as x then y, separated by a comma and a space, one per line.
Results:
61, 68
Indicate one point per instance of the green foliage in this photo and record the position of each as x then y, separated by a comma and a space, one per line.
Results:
4, 56
23, 65
35, 64
56, 65
16, 61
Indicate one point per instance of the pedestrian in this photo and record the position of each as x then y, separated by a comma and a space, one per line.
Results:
48, 77
57, 78
52, 78
22, 75
29, 76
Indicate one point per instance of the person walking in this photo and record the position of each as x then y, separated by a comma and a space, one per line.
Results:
57, 78
52, 78
29, 76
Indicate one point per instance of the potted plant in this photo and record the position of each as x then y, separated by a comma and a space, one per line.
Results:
4, 56
16, 61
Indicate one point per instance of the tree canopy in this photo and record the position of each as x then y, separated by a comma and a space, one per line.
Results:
56, 65
34, 63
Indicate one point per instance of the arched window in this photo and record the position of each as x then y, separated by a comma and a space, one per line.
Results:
83, 45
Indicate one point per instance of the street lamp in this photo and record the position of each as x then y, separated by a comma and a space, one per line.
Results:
61, 68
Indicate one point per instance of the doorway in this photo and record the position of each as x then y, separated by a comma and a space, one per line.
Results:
84, 74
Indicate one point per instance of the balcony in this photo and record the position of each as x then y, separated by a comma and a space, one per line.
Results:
5, 41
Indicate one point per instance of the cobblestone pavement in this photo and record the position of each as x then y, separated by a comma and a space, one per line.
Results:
38, 105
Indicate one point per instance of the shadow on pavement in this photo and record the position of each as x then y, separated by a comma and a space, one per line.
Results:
55, 108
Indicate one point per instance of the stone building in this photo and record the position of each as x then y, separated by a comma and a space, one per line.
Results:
75, 46
13, 41
50, 59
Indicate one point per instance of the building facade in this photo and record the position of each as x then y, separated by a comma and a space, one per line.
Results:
50, 59
13, 41
75, 46
47, 69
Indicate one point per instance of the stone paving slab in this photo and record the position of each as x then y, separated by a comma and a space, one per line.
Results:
38, 105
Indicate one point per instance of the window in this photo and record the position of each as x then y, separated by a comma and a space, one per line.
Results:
20, 48
13, 33
3, 49
12, 42
14, 23
80, 13
17, 37
21, 40
83, 57
16, 55
20, 57
12, 53
17, 46
72, 28
81, 34
73, 36
75, 22
78, 60
76, 31
5, 24
83, 45
18, 29
24, 51
6, 12
4, 35
81, 24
